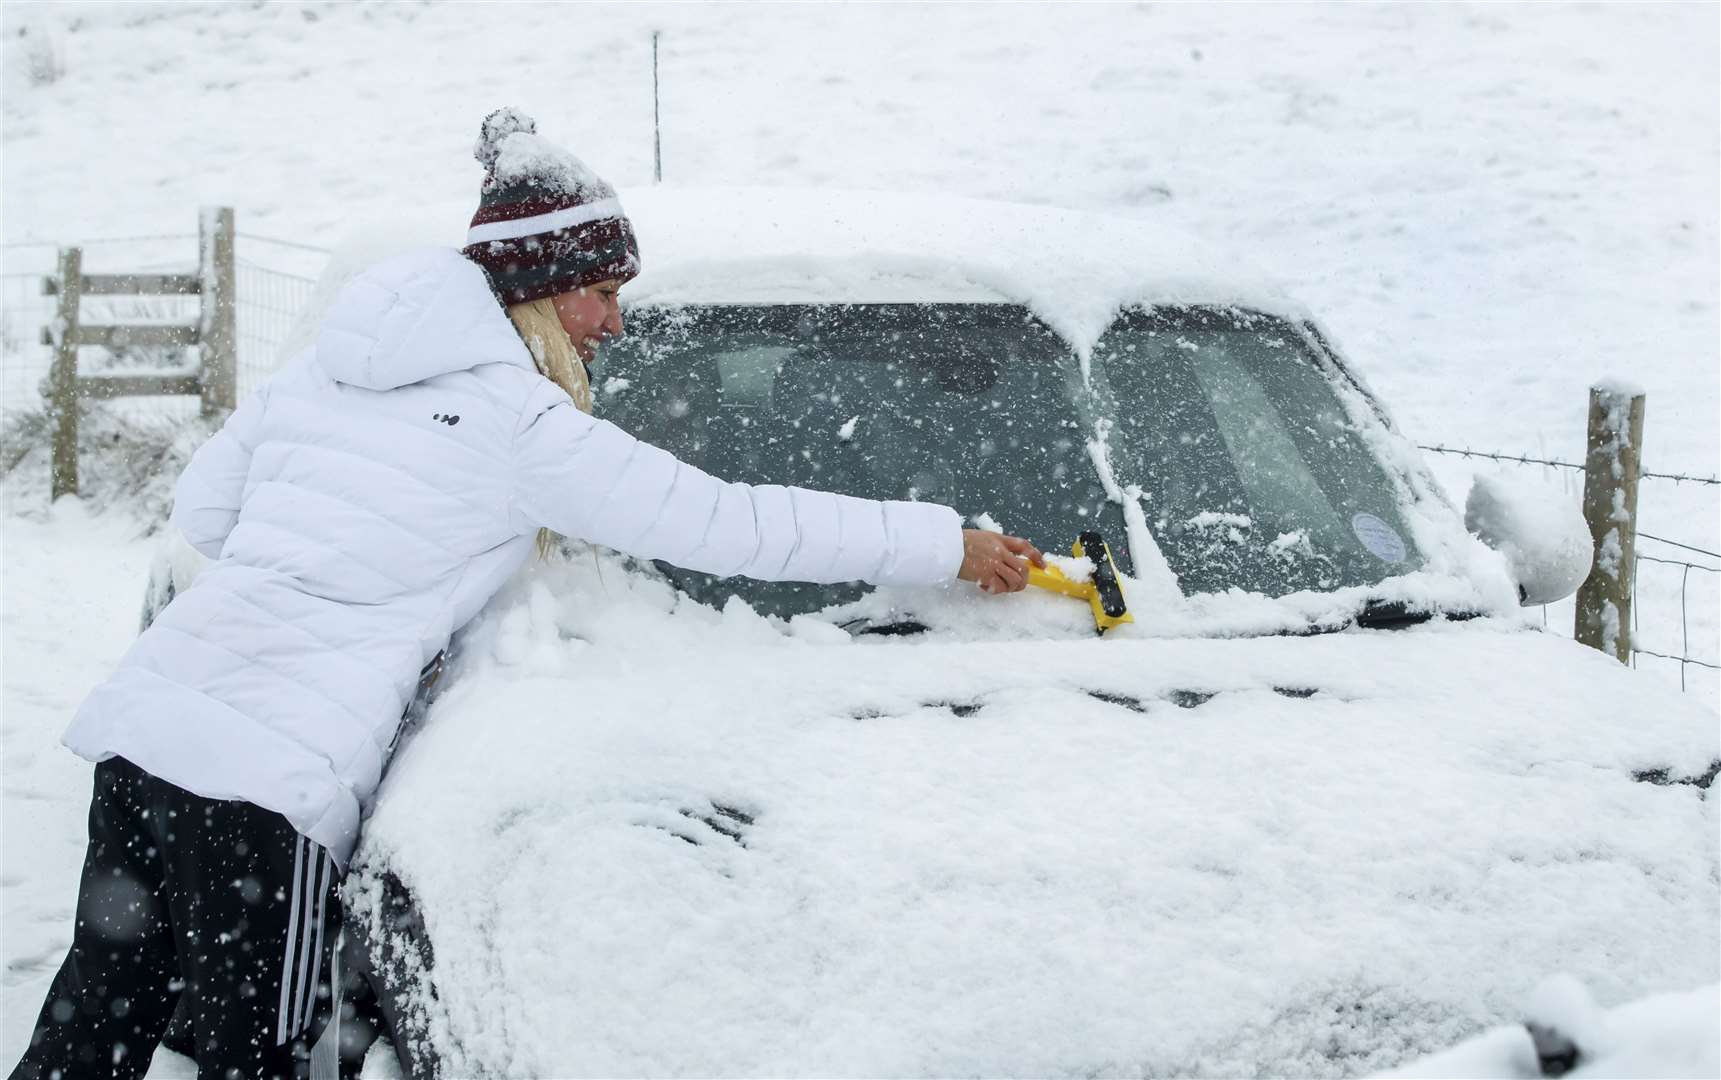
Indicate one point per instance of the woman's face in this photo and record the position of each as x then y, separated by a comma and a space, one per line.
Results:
589, 315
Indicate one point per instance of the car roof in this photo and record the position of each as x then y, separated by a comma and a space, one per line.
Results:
1073, 268
752, 245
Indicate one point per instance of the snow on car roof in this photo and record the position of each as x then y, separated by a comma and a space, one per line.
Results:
1075, 269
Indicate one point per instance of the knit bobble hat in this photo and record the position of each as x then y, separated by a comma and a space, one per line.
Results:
545, 224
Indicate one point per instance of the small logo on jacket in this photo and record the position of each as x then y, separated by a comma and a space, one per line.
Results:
446, 418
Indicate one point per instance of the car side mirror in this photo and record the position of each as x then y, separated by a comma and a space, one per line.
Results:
1541, 532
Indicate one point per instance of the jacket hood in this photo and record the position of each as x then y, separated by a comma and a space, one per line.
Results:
414, 317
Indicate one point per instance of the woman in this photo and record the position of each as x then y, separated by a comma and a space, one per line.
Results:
359, 508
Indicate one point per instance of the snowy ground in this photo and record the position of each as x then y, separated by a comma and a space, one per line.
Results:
1489, 206
70, 611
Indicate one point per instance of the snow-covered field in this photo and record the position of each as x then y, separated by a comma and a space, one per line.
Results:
1489, 206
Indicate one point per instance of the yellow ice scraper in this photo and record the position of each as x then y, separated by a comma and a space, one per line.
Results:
1103, 591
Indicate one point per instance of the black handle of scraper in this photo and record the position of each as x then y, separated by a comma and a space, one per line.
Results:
1105, 575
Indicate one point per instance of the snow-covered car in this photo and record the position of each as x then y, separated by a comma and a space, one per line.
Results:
1329, 802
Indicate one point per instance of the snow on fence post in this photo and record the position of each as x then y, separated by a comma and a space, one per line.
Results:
1610, 506
63, 377
218, 325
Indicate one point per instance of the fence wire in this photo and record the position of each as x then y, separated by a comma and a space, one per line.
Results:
267, 303
1684, 658
1523, 459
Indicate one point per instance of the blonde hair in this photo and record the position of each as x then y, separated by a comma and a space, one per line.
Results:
552, 349
553, 353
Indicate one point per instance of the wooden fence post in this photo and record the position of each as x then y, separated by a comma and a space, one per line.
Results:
218, 326
1610, 506
63, 378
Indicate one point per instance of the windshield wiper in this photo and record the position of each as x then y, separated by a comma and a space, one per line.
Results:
899, 628
1389, 615
1396, 615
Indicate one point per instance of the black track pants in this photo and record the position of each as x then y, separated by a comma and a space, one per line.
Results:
220, 901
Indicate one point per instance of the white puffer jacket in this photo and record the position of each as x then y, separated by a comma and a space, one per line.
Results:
372, 497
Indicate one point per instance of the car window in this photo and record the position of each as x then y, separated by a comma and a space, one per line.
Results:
1254, 476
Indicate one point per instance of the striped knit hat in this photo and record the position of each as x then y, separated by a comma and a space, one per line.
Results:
545, 224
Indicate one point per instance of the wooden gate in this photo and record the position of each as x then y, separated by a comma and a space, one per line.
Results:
215, 334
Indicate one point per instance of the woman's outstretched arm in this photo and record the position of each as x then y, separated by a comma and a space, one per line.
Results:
587, 478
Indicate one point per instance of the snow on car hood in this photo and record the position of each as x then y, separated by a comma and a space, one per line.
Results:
652, 838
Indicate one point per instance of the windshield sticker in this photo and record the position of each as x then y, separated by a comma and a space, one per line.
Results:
1381, 539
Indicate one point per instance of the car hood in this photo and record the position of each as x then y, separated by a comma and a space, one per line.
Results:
647, 837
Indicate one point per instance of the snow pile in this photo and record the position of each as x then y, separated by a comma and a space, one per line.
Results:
1666, 1035
733, 845
1540, 531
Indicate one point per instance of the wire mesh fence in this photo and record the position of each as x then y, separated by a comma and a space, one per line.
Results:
269, 302
1684, 657
275, 279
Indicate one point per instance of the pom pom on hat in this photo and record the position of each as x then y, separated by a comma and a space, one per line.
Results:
497, 126
546, 224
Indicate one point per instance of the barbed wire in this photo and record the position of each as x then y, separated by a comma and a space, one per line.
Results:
1524, 459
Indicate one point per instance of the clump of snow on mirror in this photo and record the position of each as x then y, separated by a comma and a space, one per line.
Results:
1541, 531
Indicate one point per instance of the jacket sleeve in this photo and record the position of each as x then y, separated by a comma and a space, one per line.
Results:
206, 499
587, 478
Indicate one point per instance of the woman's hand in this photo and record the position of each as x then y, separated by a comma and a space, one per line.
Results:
989, 560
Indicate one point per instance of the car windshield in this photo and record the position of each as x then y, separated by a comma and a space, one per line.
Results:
1252, 477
